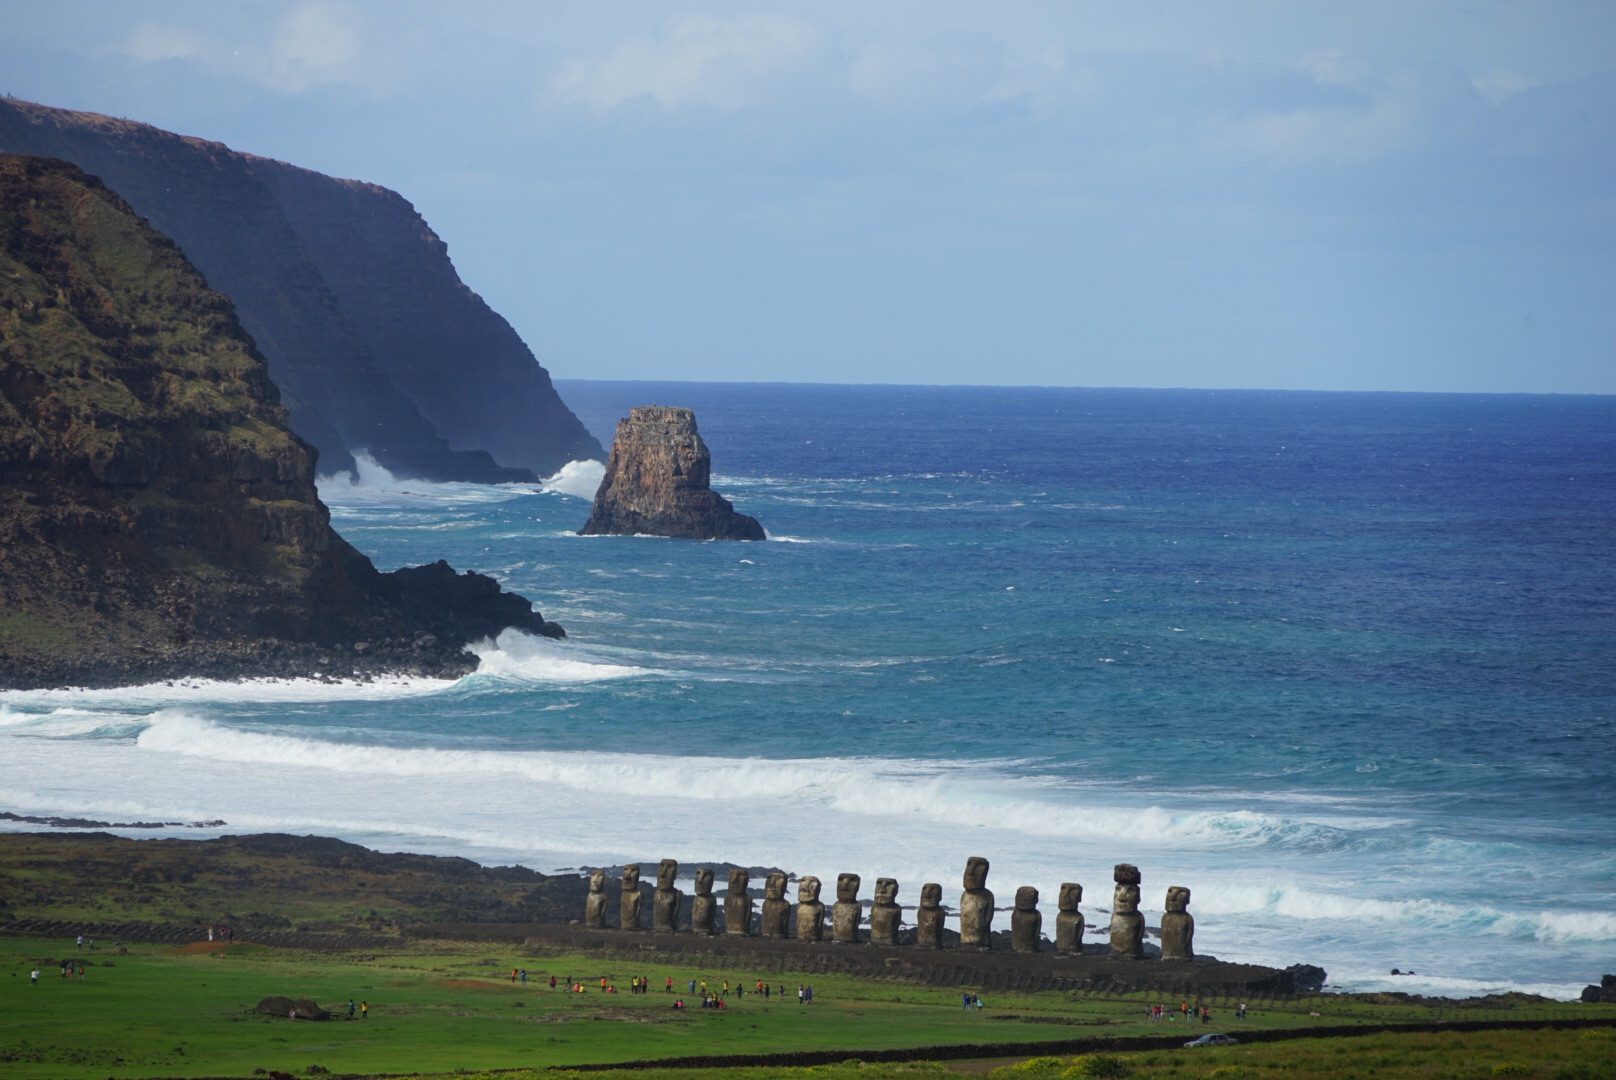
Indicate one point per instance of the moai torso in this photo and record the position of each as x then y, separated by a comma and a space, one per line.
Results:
628, 907
847, 912
1069, 923
595, 906
976, 906
885, 914
776, 911
1127, 925
1178, 926
810, 912
704, 906
929, 917
666, 901
738, 904
1026, 924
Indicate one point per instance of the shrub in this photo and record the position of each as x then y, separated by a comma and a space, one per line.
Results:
1098, 1067
1511, 1068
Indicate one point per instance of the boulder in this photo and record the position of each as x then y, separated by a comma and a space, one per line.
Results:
291, 1008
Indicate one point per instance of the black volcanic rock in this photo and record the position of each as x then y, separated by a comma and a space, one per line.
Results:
370, 335
656, 483
157, 518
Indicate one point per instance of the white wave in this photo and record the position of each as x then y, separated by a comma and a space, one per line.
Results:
196, 691
578, 478
523, 657
1449, 986
788, 539
375, 485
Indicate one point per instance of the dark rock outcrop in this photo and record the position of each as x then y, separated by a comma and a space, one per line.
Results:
157, 518
374, 341
657, 483
1604, 993
291, 1008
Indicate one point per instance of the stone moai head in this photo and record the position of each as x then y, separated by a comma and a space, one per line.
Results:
1071, 895
931, 895
808, 890
1178, 898
1126, 900
976, 873
1026, 898
1126, 874
666, 871
886, 890
704, 881
738, 881
631, 878
774, 888
597, 881
847, 886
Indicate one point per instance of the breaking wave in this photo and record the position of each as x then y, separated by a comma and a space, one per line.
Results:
577, 478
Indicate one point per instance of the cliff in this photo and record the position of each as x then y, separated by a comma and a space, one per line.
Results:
657, 483
157, 517
375, 343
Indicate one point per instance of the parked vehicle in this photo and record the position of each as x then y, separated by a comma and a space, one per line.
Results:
1214, 1039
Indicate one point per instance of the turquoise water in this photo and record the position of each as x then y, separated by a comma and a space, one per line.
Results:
1342, 664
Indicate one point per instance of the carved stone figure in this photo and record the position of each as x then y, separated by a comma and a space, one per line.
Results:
776, 911
1026, 924
1127, 925
704, 907
595, 905
1178, 926
847, 912
737, 904
885, 914
810, 912
1069, 923
929, 917
665, 902
628, 906
976, 906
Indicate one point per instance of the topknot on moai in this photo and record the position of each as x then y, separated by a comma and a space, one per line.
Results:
738, 903
776, 911
885, 915
1178, 926
1026, 924
628, 906
976, 906
929, 917
810, 912
595, 904
1069, 922
1127, 925
667, 900
847, 912
703, 906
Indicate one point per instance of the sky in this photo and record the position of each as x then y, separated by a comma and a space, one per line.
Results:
1363, 195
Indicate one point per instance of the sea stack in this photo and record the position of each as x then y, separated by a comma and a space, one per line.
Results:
656, 483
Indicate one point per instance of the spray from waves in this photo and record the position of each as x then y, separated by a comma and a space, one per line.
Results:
201, 691
374, 485
67, 723
522, 658
577, 478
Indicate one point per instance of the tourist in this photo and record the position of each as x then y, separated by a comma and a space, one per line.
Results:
524, 976
667, 987
350, 1008
364, 1010
33, 977
552, 982
81, 941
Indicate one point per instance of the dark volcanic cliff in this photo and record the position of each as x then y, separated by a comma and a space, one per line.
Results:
157, 518
375, 343
656, 483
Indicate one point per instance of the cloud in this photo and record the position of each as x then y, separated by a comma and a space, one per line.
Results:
1500, 84
151, 43
315, 44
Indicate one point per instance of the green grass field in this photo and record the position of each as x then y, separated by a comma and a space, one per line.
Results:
157, 1011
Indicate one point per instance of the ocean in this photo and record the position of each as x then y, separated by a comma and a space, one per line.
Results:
1342, 664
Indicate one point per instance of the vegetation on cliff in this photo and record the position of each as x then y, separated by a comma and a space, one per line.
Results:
157, 517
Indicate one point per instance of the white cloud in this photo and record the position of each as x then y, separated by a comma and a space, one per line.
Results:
314, 44
1500, 84
151, 43
1389, 114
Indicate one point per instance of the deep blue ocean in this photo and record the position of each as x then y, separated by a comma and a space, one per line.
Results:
1343, 664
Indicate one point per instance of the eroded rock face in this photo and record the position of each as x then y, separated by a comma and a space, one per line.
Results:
656, 483
1178, 926
628, 906
976, 906
929, 917
1069, 923
847, 912
1127, 924
595, 904
666, 901
738, 904
1026, 924
704, 908
776, 909
886, 917
810, 912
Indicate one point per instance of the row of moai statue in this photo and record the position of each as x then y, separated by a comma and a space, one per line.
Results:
885, 917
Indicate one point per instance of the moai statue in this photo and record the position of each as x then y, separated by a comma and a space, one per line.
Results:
628, 907
666, 900
810, 912
847, 912
976, 906
1069, 923
885, 914
929, 917
1026, 924
595, 906
1127, 925
704, 907
776, 911
1178, 926
738, 904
